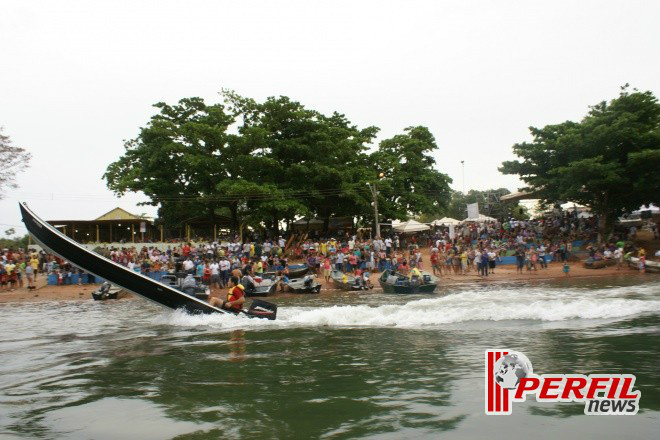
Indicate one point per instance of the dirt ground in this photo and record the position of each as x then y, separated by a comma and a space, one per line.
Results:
45, 292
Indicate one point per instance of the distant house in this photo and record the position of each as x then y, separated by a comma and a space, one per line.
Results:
114, 226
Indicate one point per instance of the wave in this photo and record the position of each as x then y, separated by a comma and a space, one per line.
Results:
487, 305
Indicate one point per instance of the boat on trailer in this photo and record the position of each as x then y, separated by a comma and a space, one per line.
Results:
167, 296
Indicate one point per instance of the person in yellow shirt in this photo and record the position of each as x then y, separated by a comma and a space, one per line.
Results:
464, 262
415, 273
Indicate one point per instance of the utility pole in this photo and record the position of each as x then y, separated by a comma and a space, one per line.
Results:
374, 193
463, 171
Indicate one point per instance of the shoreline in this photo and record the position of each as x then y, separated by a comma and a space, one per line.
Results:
503, 274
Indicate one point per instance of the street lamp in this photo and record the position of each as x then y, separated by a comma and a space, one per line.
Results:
374, 194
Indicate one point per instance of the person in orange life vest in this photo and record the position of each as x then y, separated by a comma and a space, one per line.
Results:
235, 296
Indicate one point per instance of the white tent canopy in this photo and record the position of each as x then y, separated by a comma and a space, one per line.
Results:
446, 221
572, 206
654, 209
411, 226
482, 218
304, 221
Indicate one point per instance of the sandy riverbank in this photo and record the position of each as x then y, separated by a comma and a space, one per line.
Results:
507, 273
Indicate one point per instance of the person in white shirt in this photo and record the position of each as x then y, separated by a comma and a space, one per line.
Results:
541, 252
188, 265
215, 274
388, 246
225, 266
339, 265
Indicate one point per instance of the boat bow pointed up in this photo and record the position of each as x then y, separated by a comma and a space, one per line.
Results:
164, 295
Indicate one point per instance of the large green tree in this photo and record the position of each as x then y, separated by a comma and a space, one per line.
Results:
317, 162
179, 159
608, 161
410, 185
265, 163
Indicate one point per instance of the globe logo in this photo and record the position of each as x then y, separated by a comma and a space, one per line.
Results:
510, 368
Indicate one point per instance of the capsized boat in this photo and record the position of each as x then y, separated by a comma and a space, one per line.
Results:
141, 285
349, 283
395, 282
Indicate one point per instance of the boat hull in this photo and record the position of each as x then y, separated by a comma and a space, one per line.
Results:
404, 288
297, 271
261, 291
121, 276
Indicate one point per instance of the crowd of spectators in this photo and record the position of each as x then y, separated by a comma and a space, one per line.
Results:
469, 247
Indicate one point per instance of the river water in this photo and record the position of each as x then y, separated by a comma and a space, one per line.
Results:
336, 366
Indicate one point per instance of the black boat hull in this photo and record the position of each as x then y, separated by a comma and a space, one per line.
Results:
53, 240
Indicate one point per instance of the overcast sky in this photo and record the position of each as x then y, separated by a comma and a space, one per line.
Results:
79, 77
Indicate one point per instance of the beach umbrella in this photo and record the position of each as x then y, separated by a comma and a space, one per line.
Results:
482, 218
411, 226
446, 221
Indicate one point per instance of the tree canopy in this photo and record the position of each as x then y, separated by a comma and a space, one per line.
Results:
608, 161
13, 160
262, 163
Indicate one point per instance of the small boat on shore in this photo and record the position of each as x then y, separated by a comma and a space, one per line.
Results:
167, 296
394, 282
106, 291
186, 285
349, 283
303, 285
266, 285
649, 266
590, 263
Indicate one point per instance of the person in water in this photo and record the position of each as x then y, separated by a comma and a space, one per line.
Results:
235, 296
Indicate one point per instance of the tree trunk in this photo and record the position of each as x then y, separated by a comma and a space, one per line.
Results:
274, 227
233, 209
326, 225
603, 223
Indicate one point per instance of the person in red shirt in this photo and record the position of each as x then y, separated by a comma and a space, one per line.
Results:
235, 296
434, 261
